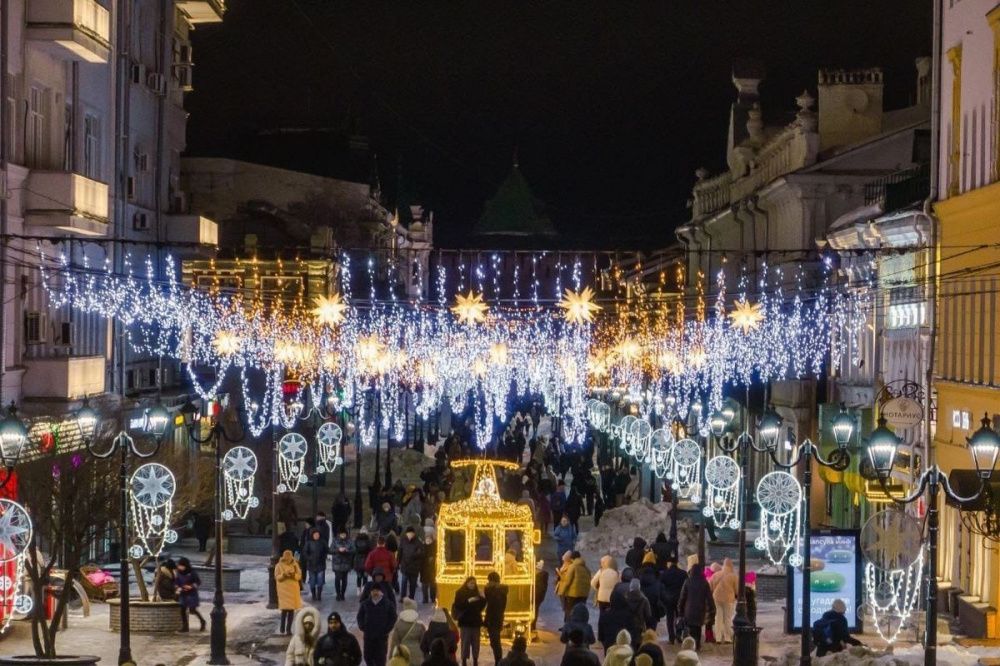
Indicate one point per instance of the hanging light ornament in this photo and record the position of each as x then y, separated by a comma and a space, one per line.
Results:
722, 491
291, 462
470, 309
891, 542
779, 497
227, 343
685, 475
746, 317
151, 495
328, 439
15, 540
239, 466
329, 310
661, 444
579, 307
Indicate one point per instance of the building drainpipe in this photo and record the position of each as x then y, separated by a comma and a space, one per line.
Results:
4, 148
757, 210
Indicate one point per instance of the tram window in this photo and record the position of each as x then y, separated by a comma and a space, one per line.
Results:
454, 541
484, 546
513, 542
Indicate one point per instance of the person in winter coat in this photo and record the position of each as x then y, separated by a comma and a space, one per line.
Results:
725, 586
386, 520
574, 586
439, 628
305, 633
650, 646
430, 529
604, 581
362, 546
314, 554
496, 607
376, 618
288, 540
649, 583
661, 549
573, 509
638, 604
400, 656
577, 652
340, 513
831, 632
541, 589
518, 655
165, 587
378, 581
620, 654
626, 578
341, 561
687, 655
438, 655
287, 576
557, 503
565, 536
616, 618
186, 583
633, 558
381, 558
468, 613
408, 632
561, 574
338, 646
410, 559
324, 527
579, 618
672, 578
696, 603
428, 572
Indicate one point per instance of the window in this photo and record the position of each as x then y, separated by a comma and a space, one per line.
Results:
92, 146
454, 542
35, 327
955, 149
37, 148
484, 546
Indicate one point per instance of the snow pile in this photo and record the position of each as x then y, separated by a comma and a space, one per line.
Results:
947, 655
620, 526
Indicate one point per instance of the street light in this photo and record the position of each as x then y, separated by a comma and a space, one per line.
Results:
843, 427
984, 445
217, 433
718, 423
155, 422
769, 428
13, 437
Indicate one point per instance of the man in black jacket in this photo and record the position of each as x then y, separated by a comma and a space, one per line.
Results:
672, 578
468, 613
541, 587
496, 606
376, 618
578, 654
338, 646
831, 632
410, 558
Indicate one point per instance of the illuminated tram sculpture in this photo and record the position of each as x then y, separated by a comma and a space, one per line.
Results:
485, 533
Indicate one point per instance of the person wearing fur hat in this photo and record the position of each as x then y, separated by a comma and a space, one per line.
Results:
688, 655
408, 632
305, 633
831, 633
649, 647
604, 581
620, 654
400, 656
338, 646
287, 576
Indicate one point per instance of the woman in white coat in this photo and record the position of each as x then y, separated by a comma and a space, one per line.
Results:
305, 633
604, 581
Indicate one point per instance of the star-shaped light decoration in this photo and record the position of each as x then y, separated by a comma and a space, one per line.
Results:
745, 316
226, 343
240, 462
470, 309
15, 530
329, 310
580, 307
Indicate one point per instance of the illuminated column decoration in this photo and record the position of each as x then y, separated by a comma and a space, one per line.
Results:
151, 500
779, 497
722, 491
328, 439
239, 466
15, 539
661, 444
291, 462
685, 472
891, 542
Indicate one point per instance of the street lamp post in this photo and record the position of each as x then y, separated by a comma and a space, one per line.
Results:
216, 434
13, 437
984, 445
155, 422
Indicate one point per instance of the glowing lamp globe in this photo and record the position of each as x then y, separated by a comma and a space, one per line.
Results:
728, 412
984, 445
882, 446
13, 436
769, 428
843, 427
86, 420
717, 423
157, 420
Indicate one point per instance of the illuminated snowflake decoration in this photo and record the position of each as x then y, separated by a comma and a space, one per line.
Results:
685, 476
291, 462
661, 445
892, 545
580, 308
15, 539
746, 317
329, 310
779, 497
239, 467
151, 494
470, 309
328, 439
722, 491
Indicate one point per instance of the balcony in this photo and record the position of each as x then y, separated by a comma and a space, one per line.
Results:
66, 201
70, 29
202, 11
63, 377
192, 231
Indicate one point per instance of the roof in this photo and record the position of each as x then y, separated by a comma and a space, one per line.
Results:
513, 211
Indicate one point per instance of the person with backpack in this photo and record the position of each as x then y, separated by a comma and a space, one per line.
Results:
830, 633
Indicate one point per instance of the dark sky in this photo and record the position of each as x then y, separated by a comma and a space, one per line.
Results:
612, 105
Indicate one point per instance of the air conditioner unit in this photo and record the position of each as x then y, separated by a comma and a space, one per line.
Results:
157, 83
183, 75
138, 73
36, 327
140, 221
130, 188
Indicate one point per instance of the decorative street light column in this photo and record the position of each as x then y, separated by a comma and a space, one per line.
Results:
13, 437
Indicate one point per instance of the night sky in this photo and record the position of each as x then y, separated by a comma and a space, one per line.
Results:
611, 105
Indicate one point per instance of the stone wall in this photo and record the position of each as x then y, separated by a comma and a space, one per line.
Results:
147, 616
230, 576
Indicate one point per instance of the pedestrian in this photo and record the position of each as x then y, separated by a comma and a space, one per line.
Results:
430, 530
575, 586
831, 633
166, 589
696, 603
382, 558
573, 509
562, 574
688, 656
661, 549
496, 606
672, 578
599, 507
440, 629
288, 540
287, 576
565, 535
633, 491
616, 618
640, 609
579, 619
633, 558
376, 618
338, 646
750, 596
468, 612
400, 656
650, 645
577, 651
410, 560
202, 527
341, 561
604, 581
324, 527
305, 633
386, 520
408, 632
620, 654
626, 579
314, 553
541, 589
518, 655
362, 546
725, 586
379, 581
186, 584
557, 503
340, 512
652, 589
438, 654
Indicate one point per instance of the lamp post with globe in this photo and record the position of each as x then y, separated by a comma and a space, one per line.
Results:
13, 437
153, 421
193, 420
984, 446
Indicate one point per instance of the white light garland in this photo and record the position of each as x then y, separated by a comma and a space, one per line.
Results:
15, 540
291, 462
151, 494
779, 497
722, 491
239, 467
685, 472
328, 439
892, 544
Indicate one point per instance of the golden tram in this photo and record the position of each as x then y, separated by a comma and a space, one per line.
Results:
485, 533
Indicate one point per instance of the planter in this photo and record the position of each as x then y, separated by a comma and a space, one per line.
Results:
246, 544
68, 660
150, 617
230, 577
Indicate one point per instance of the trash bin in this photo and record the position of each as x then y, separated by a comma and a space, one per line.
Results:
51, 599
746, 644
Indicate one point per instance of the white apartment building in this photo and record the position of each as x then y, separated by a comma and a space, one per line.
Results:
80, 73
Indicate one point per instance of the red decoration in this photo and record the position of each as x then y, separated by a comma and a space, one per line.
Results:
47, 442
